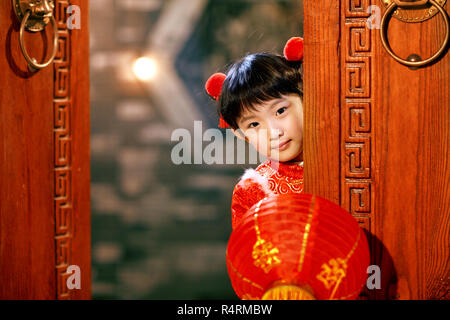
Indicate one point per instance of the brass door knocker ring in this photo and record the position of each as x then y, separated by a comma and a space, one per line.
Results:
413, 60
34, 15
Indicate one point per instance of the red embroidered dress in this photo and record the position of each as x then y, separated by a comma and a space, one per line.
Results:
270, 177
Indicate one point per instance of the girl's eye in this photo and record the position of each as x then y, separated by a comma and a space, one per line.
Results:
250, 125
282, 110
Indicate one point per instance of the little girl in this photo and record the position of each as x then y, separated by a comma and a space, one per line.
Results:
260, 99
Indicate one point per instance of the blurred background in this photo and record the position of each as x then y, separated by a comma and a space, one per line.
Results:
160, 230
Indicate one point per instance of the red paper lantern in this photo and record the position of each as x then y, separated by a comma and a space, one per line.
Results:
297, 246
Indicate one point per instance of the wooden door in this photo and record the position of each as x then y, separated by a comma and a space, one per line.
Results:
44, 162
377, 139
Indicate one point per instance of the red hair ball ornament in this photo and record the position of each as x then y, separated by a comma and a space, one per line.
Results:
223, 123
213, 87
293, 50
297, 247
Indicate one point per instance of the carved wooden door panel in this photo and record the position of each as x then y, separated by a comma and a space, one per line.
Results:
377, 138
44, 163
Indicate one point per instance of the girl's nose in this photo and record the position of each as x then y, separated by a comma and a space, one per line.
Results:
275, 133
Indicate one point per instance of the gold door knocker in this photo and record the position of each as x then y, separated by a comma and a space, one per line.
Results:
413, 11
34, 15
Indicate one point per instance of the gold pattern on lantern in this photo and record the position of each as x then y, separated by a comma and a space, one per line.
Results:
333, 272
306, 234
254, 284
264, 253
336, 269
247, 296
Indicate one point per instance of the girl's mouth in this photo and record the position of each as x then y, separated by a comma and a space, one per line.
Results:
283, 145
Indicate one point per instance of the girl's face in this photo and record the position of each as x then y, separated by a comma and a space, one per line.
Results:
276, 128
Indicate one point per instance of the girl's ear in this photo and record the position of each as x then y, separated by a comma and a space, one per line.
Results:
238, 133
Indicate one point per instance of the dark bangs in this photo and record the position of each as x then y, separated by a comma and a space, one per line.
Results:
255, 79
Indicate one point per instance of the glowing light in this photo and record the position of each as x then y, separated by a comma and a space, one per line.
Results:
145, 69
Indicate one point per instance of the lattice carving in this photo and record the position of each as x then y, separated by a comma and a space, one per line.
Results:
359, 39
356, 8
357, 78
358, 116
357, 197
62, 152
356, 111
357, 159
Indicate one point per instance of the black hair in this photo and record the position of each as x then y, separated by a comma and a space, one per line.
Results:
255, 79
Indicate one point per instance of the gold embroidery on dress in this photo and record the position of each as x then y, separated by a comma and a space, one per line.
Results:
336, 269
264, 253
281, 184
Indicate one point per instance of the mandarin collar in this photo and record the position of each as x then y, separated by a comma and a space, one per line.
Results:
294, 170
